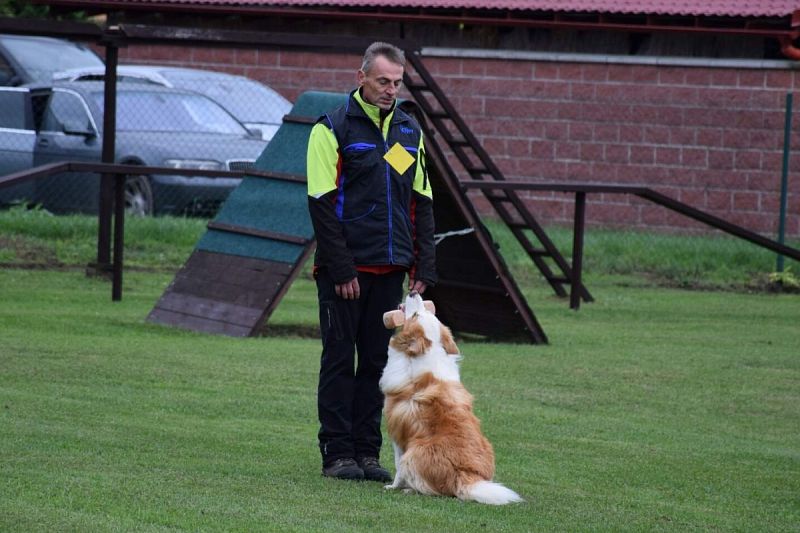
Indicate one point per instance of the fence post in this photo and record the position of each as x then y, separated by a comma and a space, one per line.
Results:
787, 134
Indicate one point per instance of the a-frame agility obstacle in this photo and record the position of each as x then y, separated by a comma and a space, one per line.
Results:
262, 236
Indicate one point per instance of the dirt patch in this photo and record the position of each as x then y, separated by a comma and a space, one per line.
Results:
27, 254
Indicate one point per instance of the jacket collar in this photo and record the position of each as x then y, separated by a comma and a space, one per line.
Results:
358, 106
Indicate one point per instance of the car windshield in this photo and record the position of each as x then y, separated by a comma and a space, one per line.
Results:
245, 99
42, 57
165, 111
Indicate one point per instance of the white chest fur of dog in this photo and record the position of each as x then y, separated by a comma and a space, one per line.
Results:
438, 445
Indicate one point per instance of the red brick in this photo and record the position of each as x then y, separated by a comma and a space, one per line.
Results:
763, 181
724, 77
518, 148
710, 137
645, 155
620, 73
268, 58
606, 132
582, 92
694, 157
225, 56
545, 71
781, 79
747, 159
720, 159
644, 114
684, 136
631, 133
656, 134
580, 132
570, 71
567, 151
745, 201
735, 138
693, 197
668, 156
644, 74
556, 131
578, 171
751, 78
509, 69
591, 152
442, 66
672, 75
718, 200
697, 76
543, 149
617, 153
595, 72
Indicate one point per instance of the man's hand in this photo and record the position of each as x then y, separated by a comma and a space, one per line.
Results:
416, 285
349, 290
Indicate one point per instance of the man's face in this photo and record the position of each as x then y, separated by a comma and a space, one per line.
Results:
382, 83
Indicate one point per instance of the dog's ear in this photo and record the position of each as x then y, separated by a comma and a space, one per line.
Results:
448, 343
411, 340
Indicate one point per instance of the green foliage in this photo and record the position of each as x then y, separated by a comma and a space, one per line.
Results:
22, 8
786, 279
26, 9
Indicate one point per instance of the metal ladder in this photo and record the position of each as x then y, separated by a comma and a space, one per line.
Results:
451, 128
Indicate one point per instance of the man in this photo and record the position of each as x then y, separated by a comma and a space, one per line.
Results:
371, 206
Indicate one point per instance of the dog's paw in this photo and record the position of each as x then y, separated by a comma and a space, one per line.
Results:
390, 487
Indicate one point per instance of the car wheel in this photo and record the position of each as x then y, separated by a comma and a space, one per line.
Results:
138, 196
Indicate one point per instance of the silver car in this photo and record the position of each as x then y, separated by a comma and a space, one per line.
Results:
156, 126
28, 59
257, 106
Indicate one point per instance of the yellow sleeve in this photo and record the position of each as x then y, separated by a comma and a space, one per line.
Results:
321, 161
422, 184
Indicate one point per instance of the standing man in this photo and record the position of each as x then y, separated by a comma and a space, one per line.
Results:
371, 206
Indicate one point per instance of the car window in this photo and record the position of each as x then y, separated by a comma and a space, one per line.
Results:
13, 110
41, 57
166, 111
247, 100
6, 72
65, 108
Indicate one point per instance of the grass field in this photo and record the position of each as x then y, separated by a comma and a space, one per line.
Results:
652, 409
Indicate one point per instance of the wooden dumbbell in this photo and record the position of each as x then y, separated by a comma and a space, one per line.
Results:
396, 317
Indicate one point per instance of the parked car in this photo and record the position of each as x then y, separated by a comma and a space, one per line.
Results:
257, 106
156, 126
30, 59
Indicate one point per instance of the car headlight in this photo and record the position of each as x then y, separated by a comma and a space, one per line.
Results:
193, 163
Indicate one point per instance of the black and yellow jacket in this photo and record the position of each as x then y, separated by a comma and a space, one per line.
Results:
366, 208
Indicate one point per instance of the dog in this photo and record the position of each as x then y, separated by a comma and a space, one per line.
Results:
438, 445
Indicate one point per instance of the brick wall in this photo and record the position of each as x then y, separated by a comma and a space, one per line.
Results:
710, 137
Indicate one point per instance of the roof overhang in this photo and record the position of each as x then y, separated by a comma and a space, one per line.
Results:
783, 28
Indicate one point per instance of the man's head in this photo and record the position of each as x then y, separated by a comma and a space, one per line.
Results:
381, 74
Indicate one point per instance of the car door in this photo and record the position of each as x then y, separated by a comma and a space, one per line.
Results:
17, 139
68, 133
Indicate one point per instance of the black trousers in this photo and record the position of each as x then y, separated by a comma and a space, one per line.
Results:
349, 400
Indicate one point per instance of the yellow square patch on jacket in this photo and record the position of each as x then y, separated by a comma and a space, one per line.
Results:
399, 158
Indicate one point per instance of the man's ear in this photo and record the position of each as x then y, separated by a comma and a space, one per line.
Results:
361, 77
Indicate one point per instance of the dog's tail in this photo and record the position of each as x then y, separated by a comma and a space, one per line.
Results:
490, 493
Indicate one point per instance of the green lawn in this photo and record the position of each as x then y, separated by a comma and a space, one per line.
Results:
651, 409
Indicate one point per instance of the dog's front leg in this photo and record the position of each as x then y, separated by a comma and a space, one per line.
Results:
398, 482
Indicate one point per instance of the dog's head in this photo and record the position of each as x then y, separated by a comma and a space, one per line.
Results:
421, 330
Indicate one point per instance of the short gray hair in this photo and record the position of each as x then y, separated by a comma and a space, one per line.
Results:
389, 51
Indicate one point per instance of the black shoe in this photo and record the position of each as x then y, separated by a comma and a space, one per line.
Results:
373, 471
344, 468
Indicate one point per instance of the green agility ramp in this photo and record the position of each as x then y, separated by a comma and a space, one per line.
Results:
258, 242
262, 236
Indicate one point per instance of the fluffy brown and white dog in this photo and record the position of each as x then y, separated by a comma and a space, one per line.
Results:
438, 445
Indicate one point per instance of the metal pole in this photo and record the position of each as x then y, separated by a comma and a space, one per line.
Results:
106, 198
577, 251
787, 133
